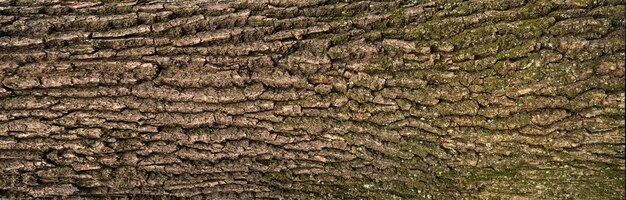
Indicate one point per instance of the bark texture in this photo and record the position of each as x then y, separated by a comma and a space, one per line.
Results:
339, 99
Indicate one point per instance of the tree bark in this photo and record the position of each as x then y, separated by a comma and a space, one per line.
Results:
242, 99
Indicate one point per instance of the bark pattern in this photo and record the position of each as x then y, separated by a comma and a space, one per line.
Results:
299, 99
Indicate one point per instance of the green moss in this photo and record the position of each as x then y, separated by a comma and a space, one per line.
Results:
492, 83
437, 29
419, 32
337, 39
385, 63
396, 17
605, 183
575, 3
481, 35
528, 28
517, 52
482, 174
528, 70
372, 35
536, 9
587, 27
507, 41
464, 9
486, 50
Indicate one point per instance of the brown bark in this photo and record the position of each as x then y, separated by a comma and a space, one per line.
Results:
312, 99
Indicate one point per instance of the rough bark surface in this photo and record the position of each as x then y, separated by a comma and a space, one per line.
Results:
312, 99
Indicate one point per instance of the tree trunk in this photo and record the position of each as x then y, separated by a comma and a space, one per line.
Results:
315, 99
